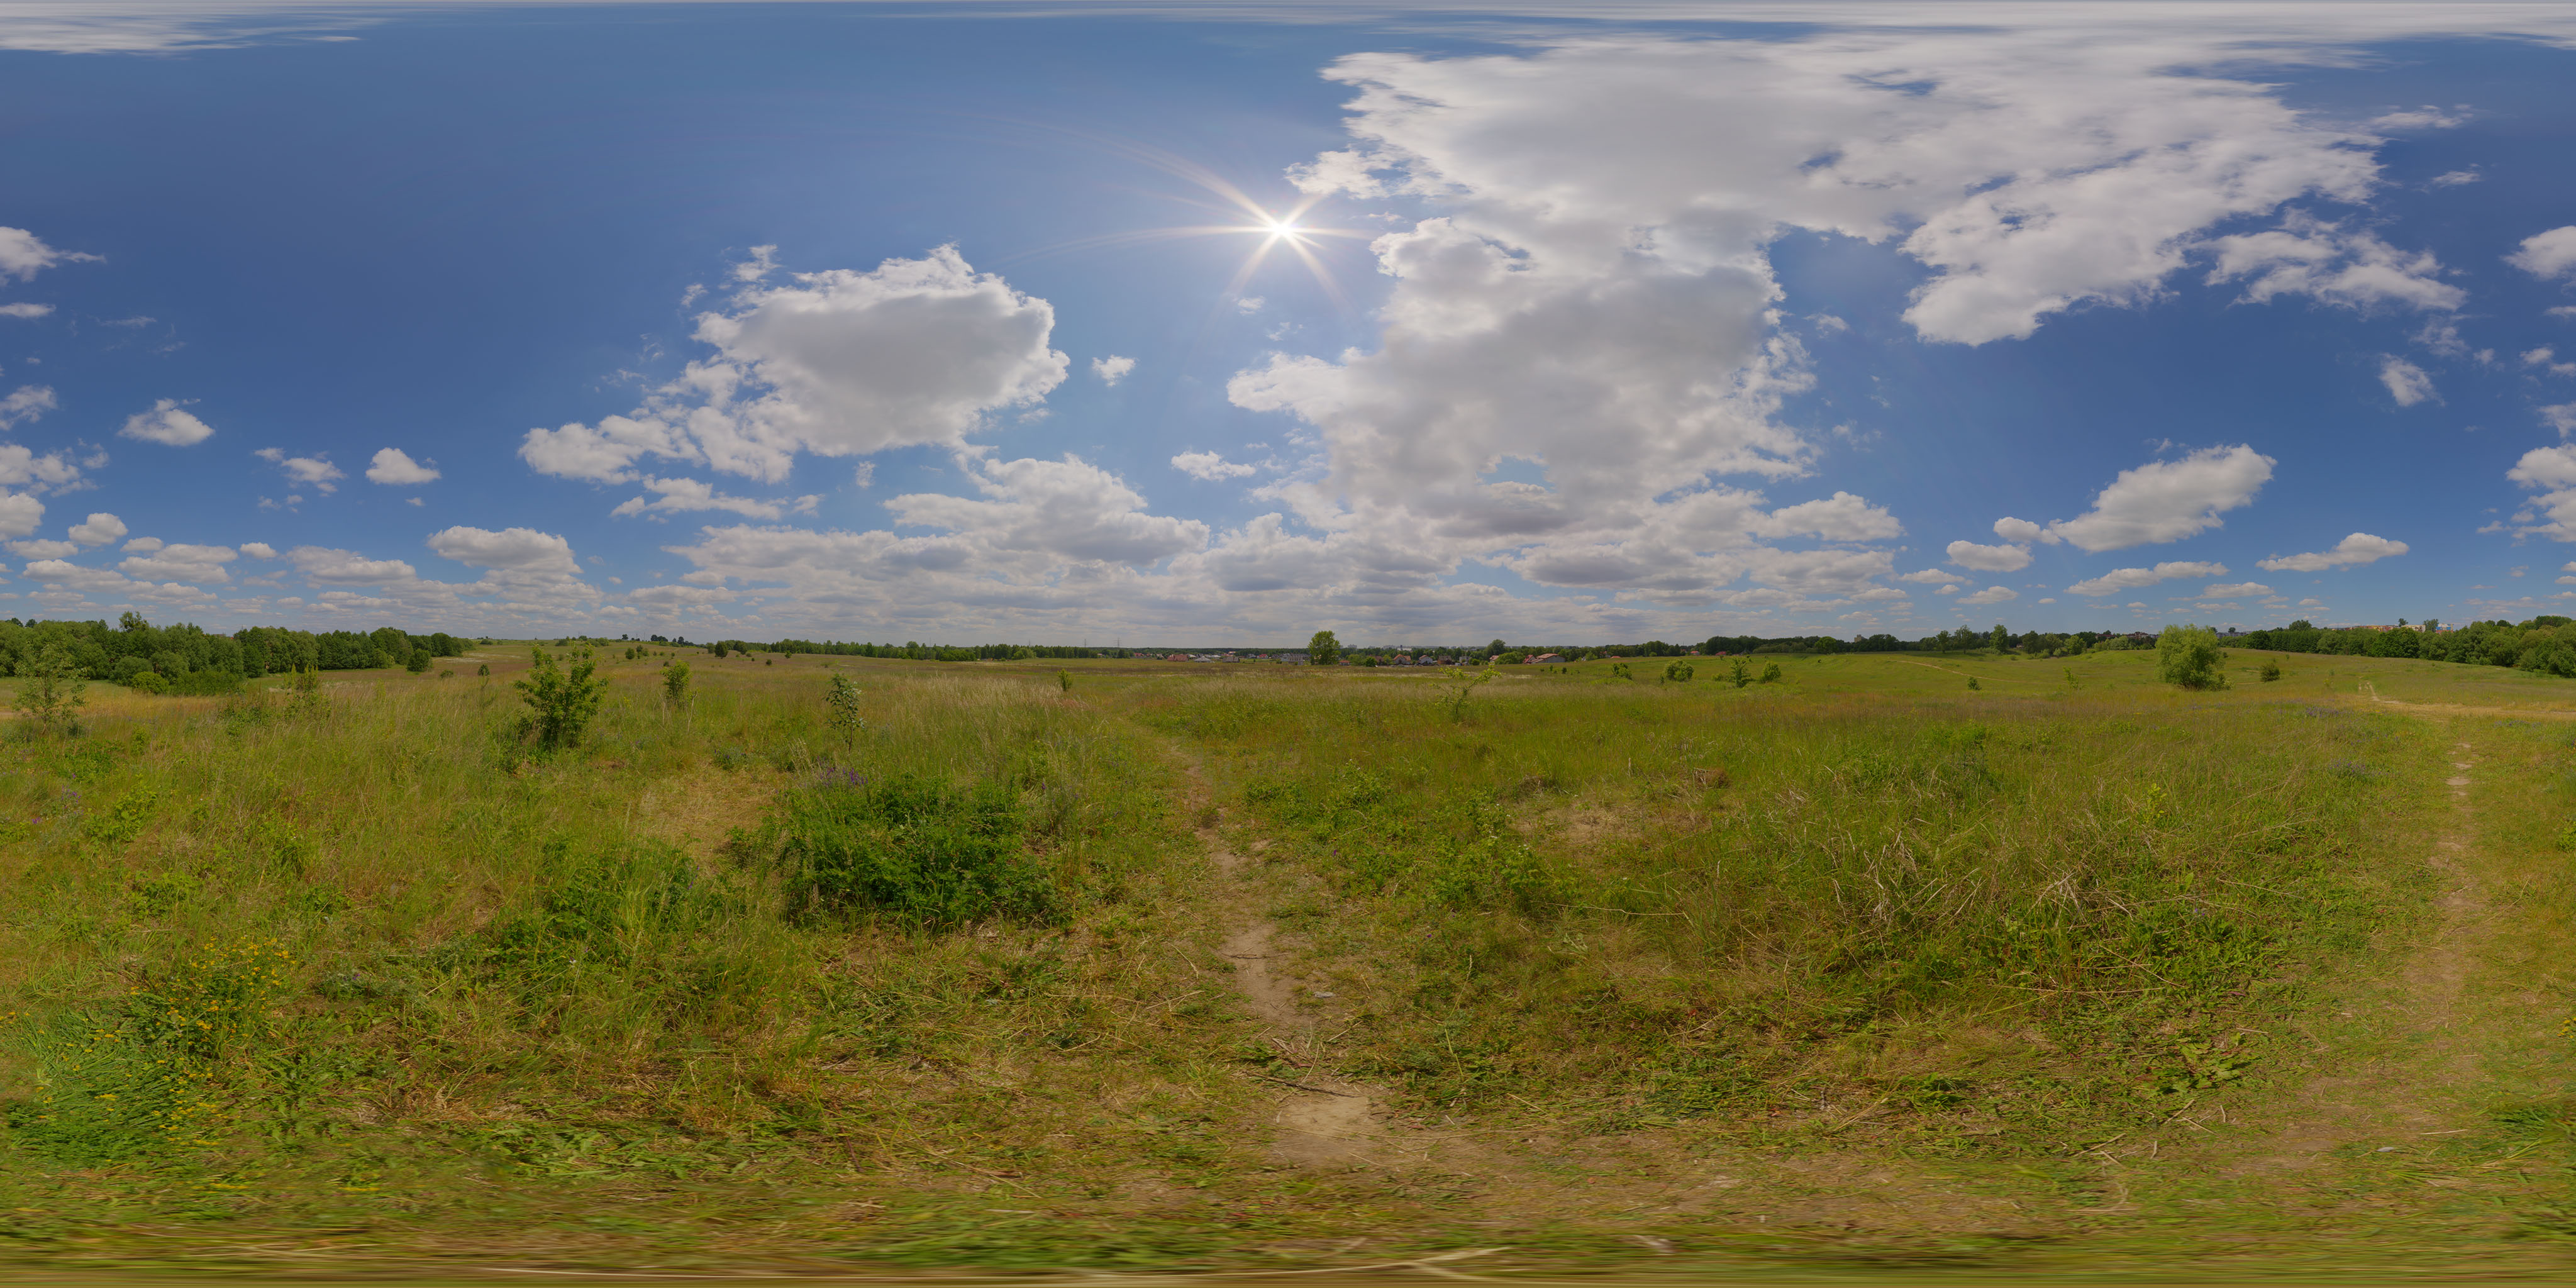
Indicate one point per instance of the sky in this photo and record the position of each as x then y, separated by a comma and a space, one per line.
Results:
1104, 323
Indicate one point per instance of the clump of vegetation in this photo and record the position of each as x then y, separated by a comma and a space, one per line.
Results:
1679, 671
560, 701
841, 703
910, 848
2271, 671
675, 684
49, 692
2189, 656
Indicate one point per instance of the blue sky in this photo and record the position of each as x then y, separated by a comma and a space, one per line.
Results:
941, 322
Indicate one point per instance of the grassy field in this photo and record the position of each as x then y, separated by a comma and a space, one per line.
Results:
1915, 960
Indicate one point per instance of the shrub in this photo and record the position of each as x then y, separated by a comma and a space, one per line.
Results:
911, 848
204, 684
675, 682
49, 691
841, 703
148, 682
560, 702
2189, 656
2271, 671
484, 669
1771, 674
1681, 671
1739, 674
417, 662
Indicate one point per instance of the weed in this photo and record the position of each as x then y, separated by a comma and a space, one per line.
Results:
911, 848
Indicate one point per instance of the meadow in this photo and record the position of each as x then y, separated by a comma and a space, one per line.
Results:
1924, 960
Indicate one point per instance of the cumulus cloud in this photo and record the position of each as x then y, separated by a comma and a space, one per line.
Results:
98, 530
25, 403
1112, 369
1991, 595
2237, 590
2407, 383
2334, 265
316, 472
44, 549
1933, 577
168, 424
837, 363
2164, 501
324, 566
21, 467
394, 467
259, 550
23, 254
2551, 471
683, 494
2547, 255
1210, 467
25, 310
2560, 417
1066, 509
520, 564
2024, 532
184, 563
2120, 579
2351, 552
1968, 554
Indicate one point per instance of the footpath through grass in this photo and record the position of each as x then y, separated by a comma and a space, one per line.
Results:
1861, 966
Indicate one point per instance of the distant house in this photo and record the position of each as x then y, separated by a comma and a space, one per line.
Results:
1178, 657
1547, 657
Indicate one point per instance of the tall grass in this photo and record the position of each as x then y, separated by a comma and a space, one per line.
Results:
1684, 901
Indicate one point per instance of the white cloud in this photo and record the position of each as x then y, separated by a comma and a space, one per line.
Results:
185, 563
143, 545
44, 549
259, 550
25, 310
394, 467
327, 567
2165, 501
2407, 383
2023, 532
25, 403
2355, 269
20, 467
71, 576
168, 424
1991, 595
2453, 178
1840, 517
2547, 255
1210, 467
1932, 576
1112, 369
1968, 554
2351, 552
2237, 590
2560, 417
20, 514
98, 530
1249, 304
316, 472
23, 254
2120, 579
520, 564
1947, 590
1066, 509
839, 363
683, 494
2552, 472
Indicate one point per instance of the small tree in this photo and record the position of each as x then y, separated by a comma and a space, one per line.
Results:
675, 683
1678, 672
419, 661
1064, 680
841, 703
561, 702
1497, 649
307, 687
50, 691
1739, 674
1323, 649
2189, 656
1771, 673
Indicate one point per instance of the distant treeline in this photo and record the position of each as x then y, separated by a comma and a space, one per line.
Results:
134, 646
2546, 643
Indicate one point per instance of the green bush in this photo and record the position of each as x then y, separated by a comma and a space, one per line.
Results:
147, 682
910, 848
204, 684
560, 702
2189, 656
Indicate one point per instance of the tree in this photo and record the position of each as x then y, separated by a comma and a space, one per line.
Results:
561, 702
49, 691
2189, 656
1999, 639
675, 682
1497, 649
1323, 650
841, 703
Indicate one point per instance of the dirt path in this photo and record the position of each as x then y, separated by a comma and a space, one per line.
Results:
2429, 709
2386, 1098
1324, 1120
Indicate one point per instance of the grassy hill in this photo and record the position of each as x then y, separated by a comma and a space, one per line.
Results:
1917, 959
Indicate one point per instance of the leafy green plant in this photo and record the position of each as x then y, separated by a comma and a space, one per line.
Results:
560, 701
675, 683
1740, 673
841, 703
1679, 671
1771, 674
912, 848
49, 692
2271, 671
2189, 656
1323, 649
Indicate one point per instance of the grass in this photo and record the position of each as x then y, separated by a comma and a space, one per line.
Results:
1858, 966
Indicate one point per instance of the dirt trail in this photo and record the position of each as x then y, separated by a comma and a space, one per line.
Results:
2386, 1098
1325, 1120
2370, 691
